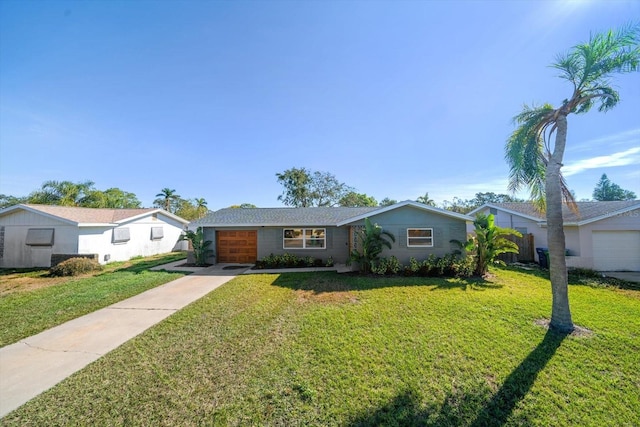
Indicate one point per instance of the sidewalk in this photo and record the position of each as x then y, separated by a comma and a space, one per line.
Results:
37, 363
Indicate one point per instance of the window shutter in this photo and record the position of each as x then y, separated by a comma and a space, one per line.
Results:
39, 237
121, 235
157, 233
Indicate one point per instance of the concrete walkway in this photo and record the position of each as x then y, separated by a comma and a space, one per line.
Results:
37, 363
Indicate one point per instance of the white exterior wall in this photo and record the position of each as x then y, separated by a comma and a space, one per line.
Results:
17, 254
71, 239
100, 240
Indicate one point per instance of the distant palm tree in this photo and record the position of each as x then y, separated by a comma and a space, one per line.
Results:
535, 163
426, 200
62, 193
167, 199
201, 207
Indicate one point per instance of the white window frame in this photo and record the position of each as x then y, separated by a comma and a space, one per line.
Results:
305, 232
429, 239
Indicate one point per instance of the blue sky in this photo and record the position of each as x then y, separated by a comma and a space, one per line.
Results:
213, 98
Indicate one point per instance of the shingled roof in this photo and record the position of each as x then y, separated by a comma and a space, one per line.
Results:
315, 216
587, 211
238, 217
79, 215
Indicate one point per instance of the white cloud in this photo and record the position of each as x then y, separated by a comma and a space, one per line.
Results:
629, 137
622, 158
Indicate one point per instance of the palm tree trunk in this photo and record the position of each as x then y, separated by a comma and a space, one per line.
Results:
560, 312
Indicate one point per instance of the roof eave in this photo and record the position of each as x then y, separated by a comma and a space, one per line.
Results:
406, 203
38, 212
509, 211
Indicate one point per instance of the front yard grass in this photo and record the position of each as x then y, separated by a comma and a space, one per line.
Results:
334, 350
32, 301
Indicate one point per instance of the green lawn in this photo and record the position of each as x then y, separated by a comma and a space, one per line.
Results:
328, 349
26, 312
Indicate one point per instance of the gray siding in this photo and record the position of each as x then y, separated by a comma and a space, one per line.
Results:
337, 244
270, 242
397, 222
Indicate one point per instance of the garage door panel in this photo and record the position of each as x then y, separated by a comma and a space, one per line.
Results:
616, 250
237, 246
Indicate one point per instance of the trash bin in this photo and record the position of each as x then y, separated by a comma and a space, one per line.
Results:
543, 257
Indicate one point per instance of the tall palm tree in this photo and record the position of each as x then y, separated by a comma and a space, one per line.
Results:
166, 199
535, 162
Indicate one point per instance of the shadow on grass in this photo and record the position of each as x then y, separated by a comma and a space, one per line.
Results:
580, 277
478, 408
322, 282
140, 265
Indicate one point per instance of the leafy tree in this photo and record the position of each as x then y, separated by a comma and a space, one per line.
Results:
191, 209
354, 200
458, 205
465, 206
489, 197
303, 188
83, 194
426, 200
200, 246
297, 187
62, 193
372, 239
112, 198
7, 201
606, 190
535, 161
488, 242
388, 202
243, 206
168, 200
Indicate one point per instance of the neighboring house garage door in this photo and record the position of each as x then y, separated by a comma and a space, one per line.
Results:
616, 250
237, 246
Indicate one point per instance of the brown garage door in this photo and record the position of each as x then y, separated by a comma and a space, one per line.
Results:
237, 246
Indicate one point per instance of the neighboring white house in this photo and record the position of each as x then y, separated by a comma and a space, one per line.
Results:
31, 234
603, 236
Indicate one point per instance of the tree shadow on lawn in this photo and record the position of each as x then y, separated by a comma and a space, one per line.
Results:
317, 282
579, 277
477, 408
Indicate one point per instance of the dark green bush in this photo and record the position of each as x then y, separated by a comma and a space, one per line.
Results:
75, 267
288, 260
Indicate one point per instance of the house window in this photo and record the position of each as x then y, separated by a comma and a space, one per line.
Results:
304, 238
420, 237
157, 233
40, 237
121, 235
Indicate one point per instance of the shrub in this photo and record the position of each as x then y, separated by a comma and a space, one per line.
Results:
288, 260
75, 267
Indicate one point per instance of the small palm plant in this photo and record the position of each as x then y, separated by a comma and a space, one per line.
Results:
373, 239
488, 242
200, 246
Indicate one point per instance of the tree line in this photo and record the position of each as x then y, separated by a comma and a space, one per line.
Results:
84, 194
306, 188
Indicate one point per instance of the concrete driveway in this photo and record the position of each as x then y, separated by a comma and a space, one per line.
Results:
37, 363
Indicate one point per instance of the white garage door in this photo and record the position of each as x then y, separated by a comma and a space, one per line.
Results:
616, 250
